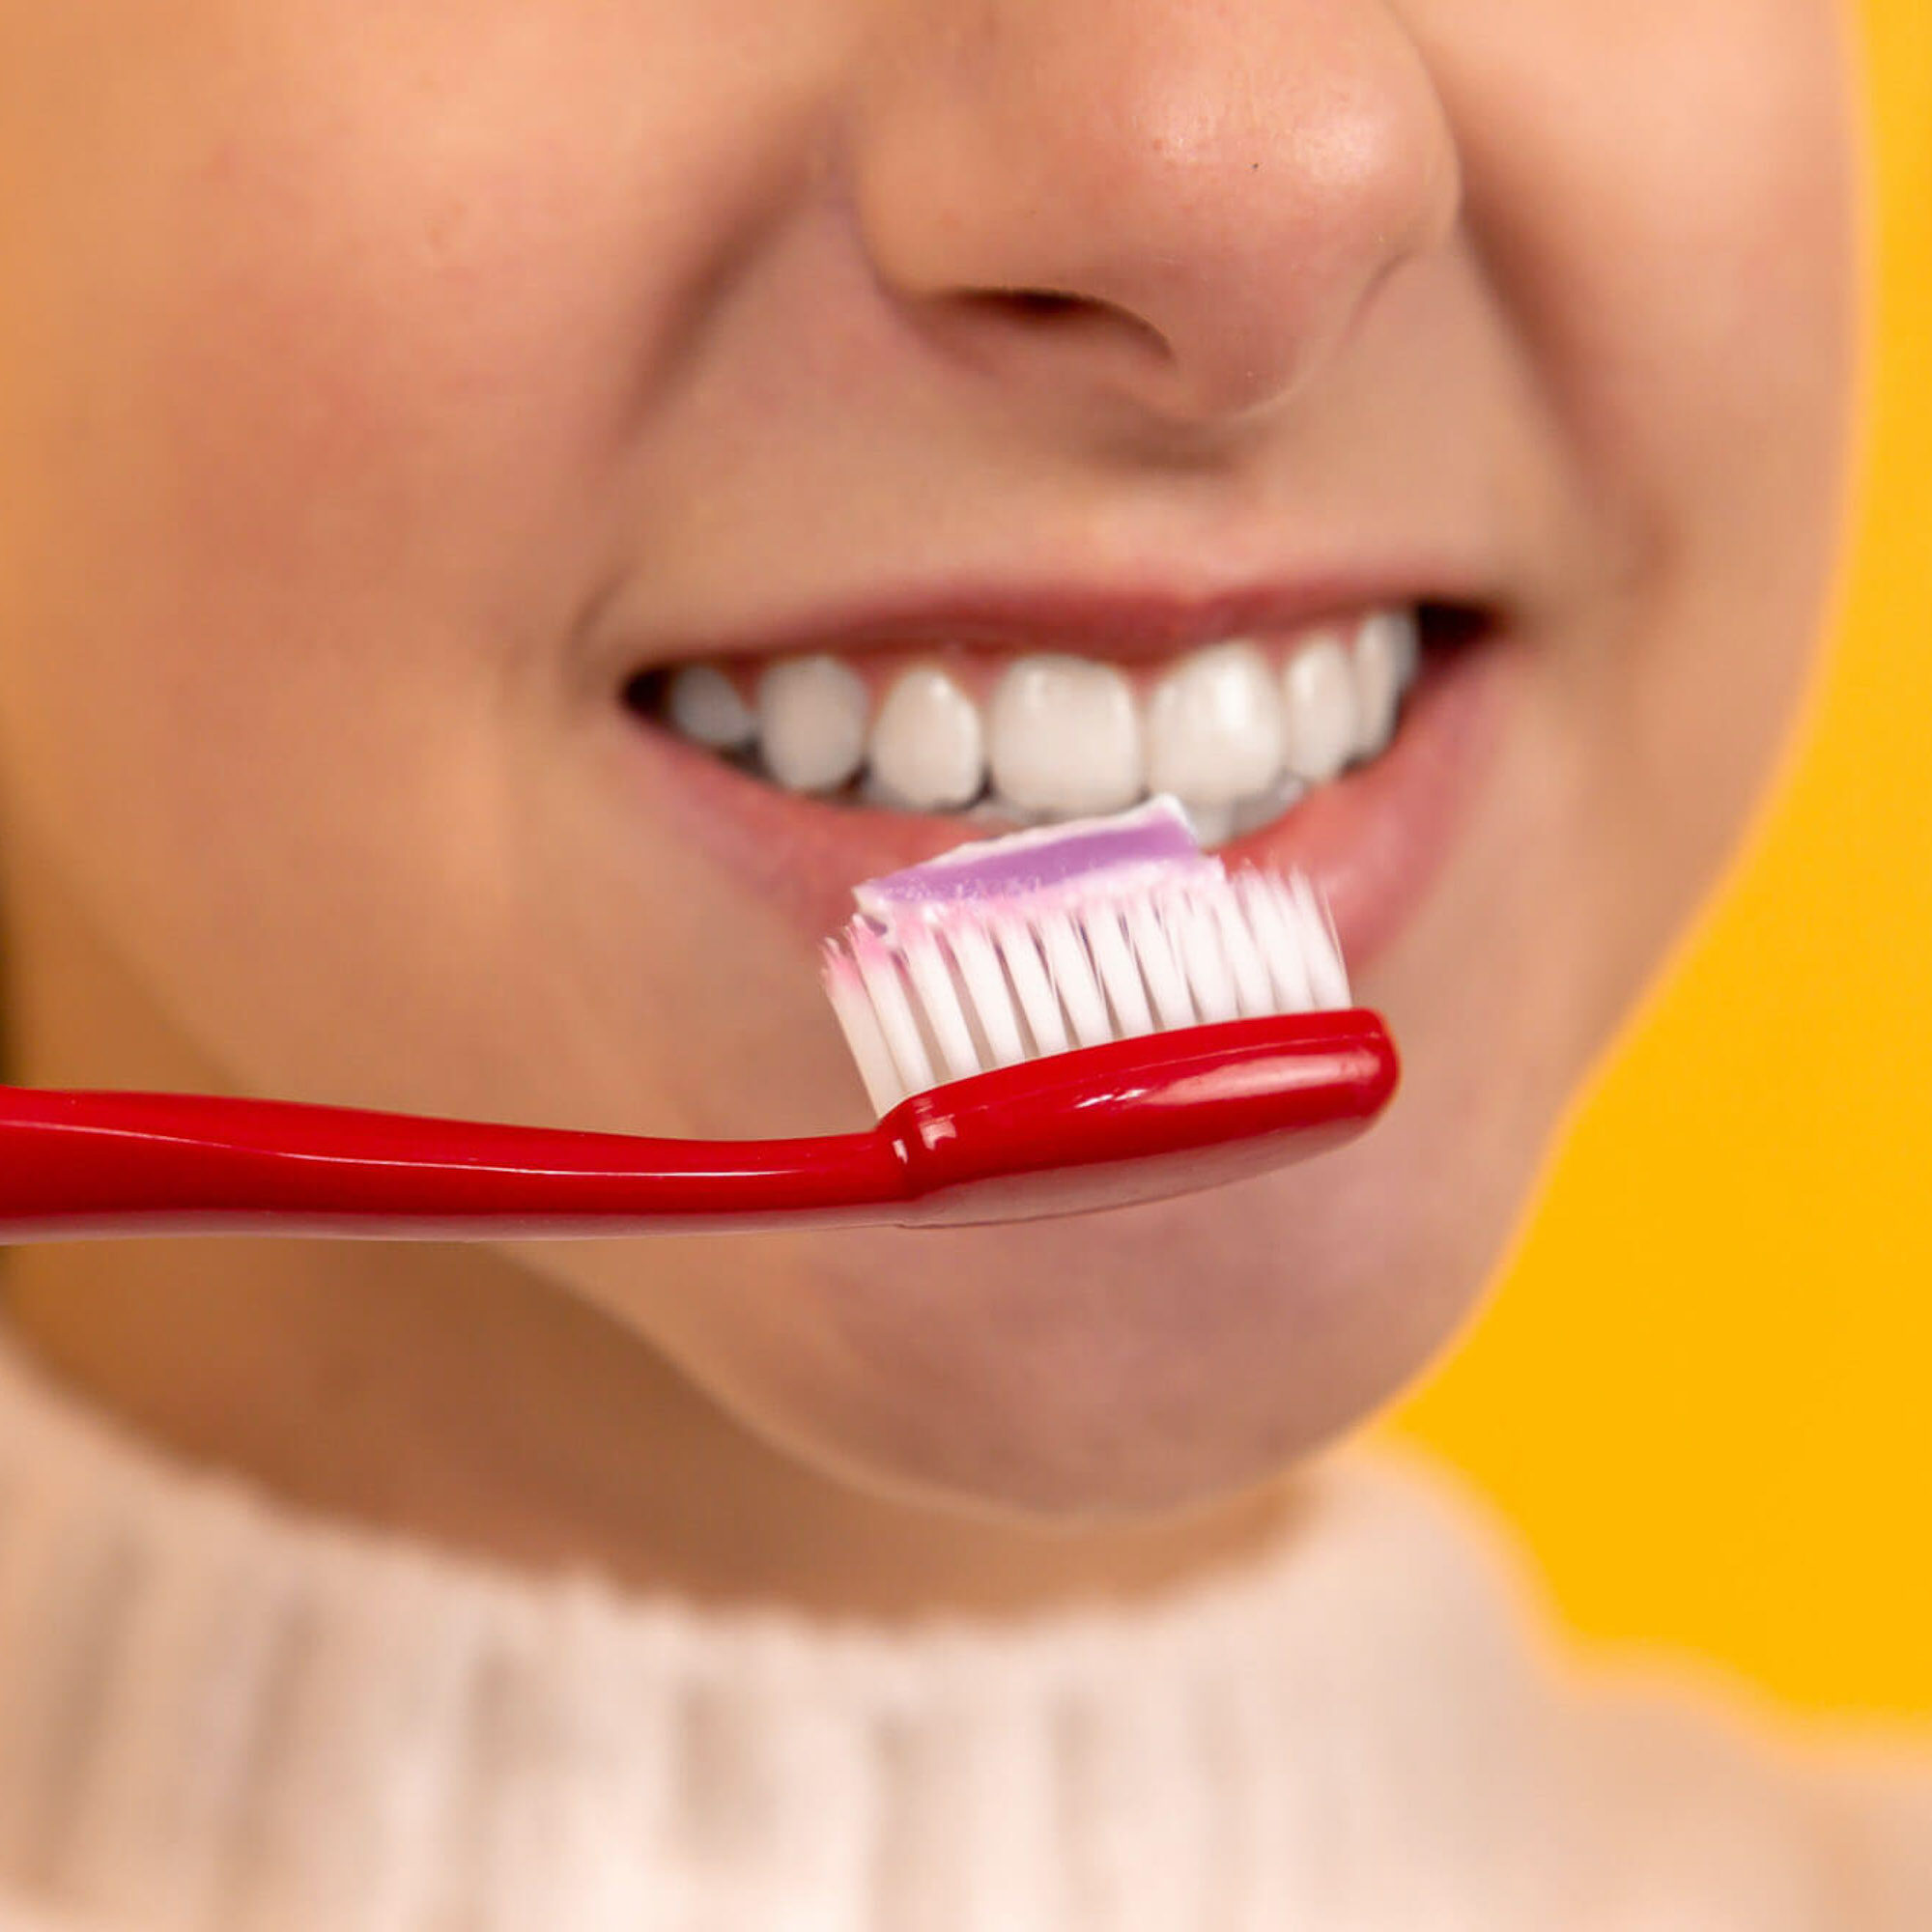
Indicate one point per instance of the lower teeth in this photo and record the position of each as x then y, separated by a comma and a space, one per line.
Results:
1213, 824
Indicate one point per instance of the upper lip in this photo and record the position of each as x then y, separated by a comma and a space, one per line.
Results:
1089, 619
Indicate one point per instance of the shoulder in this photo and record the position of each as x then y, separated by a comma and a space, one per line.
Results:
1614, 1793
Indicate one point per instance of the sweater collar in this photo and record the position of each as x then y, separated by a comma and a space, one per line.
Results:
217, 1711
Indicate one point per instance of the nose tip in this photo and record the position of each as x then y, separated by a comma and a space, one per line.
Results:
1180, 207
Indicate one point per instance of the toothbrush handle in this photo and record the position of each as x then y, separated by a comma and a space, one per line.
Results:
94, 1165
1131, 1121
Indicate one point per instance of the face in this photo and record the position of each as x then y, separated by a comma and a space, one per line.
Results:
412, 432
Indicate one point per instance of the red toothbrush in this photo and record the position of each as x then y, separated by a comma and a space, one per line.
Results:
1118, 1021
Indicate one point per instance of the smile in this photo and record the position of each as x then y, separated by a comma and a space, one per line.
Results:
1345, 742
1238, 730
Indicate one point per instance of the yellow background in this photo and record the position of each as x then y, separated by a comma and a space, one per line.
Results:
1704, 1391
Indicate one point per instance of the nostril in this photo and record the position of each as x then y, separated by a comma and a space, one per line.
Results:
1066, 315
1035, 304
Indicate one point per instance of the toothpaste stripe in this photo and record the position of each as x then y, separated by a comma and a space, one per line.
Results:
1152, 838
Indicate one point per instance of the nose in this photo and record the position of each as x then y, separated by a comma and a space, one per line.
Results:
1175, 206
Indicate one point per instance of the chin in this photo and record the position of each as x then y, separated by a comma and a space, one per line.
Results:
1101, 1370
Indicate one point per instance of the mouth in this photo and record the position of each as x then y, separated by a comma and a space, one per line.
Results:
1343, 745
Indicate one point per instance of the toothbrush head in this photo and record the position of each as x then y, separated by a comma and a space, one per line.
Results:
1048, 941
1096, 1015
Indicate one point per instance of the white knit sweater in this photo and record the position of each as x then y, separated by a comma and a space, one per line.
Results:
215, 1714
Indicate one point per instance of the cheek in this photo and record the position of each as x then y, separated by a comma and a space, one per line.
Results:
443, 271
1664, 197
367, 315
321, 459
1661, 195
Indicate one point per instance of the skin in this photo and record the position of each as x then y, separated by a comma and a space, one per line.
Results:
382, 391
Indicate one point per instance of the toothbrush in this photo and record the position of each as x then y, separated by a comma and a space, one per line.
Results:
1117, 1020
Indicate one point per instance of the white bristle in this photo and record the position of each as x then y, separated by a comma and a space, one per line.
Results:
1020, 950
1159, 963
1281, 946
1252, 991
973, 986
1079, 991
985, 983
878, 967
861, 1024
1204, 961
945, 1017
1114, 960
1326, 973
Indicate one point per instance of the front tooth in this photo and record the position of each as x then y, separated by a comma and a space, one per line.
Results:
704, 706
1318, 692
1381, 646
1405, 630
928, 748
1063, 737
812, 723
1214, 726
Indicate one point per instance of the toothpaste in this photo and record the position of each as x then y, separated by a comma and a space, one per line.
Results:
1111, 855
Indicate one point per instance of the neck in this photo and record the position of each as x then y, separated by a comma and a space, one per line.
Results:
446, 1391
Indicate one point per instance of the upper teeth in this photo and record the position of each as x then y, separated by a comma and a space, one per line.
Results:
1063, 737
812, 723
706, 706
1235, 730
928, 744
1214, 726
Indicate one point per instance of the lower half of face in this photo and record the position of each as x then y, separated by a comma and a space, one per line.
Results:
506, 525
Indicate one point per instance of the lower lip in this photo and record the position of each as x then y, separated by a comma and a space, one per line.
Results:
1372, 841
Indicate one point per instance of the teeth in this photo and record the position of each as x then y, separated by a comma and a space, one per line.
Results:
1385, 652
1063, 736
1264, 807
1231, 730
1318, 711
812, 723
1213, 728
1211, 824
928, 748
705, 708
1404, 632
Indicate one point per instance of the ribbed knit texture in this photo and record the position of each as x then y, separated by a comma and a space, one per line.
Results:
215, 1714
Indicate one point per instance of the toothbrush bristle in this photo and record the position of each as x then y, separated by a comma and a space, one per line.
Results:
955, 987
